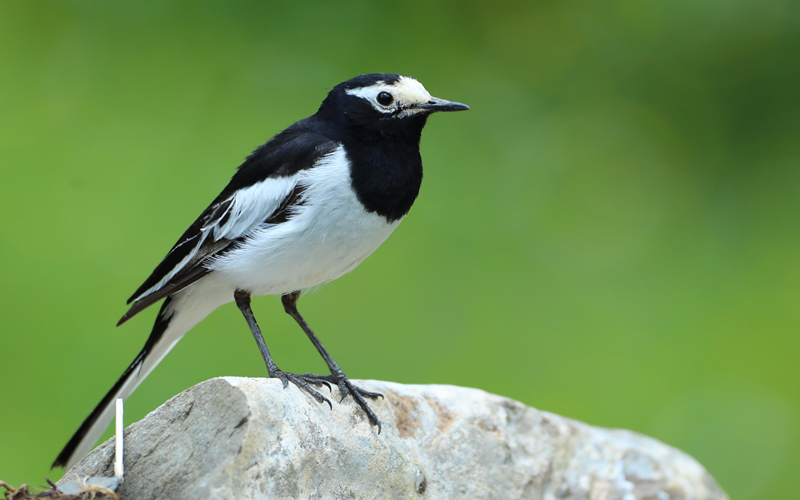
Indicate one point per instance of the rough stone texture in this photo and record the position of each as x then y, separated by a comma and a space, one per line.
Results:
249, 438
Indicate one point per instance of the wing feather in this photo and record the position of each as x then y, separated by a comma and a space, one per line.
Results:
249, 201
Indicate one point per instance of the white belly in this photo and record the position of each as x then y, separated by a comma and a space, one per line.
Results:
329, 236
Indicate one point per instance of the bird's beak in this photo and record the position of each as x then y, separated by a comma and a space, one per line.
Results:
435, 104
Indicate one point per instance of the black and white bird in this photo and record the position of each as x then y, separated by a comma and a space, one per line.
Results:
303, 209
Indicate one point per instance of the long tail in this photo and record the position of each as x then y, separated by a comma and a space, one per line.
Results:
166, 333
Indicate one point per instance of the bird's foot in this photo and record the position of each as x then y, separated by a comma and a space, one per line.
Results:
346, 388
304, 382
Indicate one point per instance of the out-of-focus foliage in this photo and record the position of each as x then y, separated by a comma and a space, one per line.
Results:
611, 233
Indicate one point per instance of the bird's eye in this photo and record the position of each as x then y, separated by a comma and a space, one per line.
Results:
385, 98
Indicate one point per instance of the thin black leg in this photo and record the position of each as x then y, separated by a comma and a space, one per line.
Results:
243, 302
337, 376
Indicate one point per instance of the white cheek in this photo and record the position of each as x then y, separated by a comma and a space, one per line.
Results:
406, 92
371, 95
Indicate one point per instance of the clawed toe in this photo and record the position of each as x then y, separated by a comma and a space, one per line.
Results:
303, 381
358, 394
371, 395
316, 380
346, 388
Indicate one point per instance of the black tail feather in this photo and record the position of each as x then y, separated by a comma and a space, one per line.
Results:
162, 321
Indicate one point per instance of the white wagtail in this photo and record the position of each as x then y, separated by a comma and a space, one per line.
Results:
303, 209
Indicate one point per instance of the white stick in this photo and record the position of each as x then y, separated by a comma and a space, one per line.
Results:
120, 429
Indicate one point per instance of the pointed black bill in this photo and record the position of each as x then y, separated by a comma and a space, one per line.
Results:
435, 104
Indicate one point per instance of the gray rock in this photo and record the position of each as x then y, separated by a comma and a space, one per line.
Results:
249, 438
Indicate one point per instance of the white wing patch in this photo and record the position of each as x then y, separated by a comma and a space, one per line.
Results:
247, 209
251, 206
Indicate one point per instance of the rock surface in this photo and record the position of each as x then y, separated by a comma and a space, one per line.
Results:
233, 437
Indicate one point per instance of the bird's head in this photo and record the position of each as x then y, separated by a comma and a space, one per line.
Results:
384, 100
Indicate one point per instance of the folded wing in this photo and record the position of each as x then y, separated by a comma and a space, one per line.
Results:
263, 191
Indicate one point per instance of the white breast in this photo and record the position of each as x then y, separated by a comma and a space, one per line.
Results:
329, 236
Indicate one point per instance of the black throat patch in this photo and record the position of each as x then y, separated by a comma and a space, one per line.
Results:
386, 169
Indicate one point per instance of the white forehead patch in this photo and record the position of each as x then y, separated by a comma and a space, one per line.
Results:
406, 92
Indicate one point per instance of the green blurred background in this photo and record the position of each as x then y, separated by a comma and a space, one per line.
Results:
612, 233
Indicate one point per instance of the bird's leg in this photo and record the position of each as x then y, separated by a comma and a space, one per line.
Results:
337, 376
243, 301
